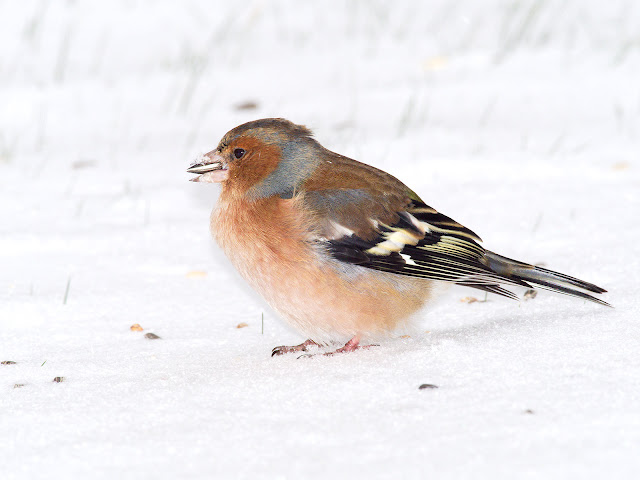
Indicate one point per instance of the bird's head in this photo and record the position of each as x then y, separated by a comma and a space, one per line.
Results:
261, 159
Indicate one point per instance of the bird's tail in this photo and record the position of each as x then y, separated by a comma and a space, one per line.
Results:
525, 274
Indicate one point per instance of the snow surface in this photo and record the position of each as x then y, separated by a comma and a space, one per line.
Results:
519, 119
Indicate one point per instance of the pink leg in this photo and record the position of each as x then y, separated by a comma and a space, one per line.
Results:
350, 346
297, 348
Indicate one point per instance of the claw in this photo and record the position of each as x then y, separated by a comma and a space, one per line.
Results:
296, 348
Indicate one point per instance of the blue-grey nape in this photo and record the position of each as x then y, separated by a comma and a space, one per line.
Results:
300, 158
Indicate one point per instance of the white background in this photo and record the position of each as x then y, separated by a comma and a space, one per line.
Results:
520, 119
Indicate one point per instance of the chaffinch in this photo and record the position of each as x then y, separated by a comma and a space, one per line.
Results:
341, 249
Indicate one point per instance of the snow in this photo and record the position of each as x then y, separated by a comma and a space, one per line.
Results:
520, 119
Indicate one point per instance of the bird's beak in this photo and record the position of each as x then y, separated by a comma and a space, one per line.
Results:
210, 168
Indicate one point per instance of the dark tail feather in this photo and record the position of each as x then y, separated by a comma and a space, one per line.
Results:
546, 279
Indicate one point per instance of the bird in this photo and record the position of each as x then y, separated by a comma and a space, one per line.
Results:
343, 251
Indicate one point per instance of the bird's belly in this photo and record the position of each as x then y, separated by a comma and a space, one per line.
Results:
327, 300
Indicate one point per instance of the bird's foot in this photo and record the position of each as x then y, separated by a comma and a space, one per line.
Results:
296, 348
351, 346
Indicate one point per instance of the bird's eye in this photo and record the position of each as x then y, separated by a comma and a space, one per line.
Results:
238, 152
